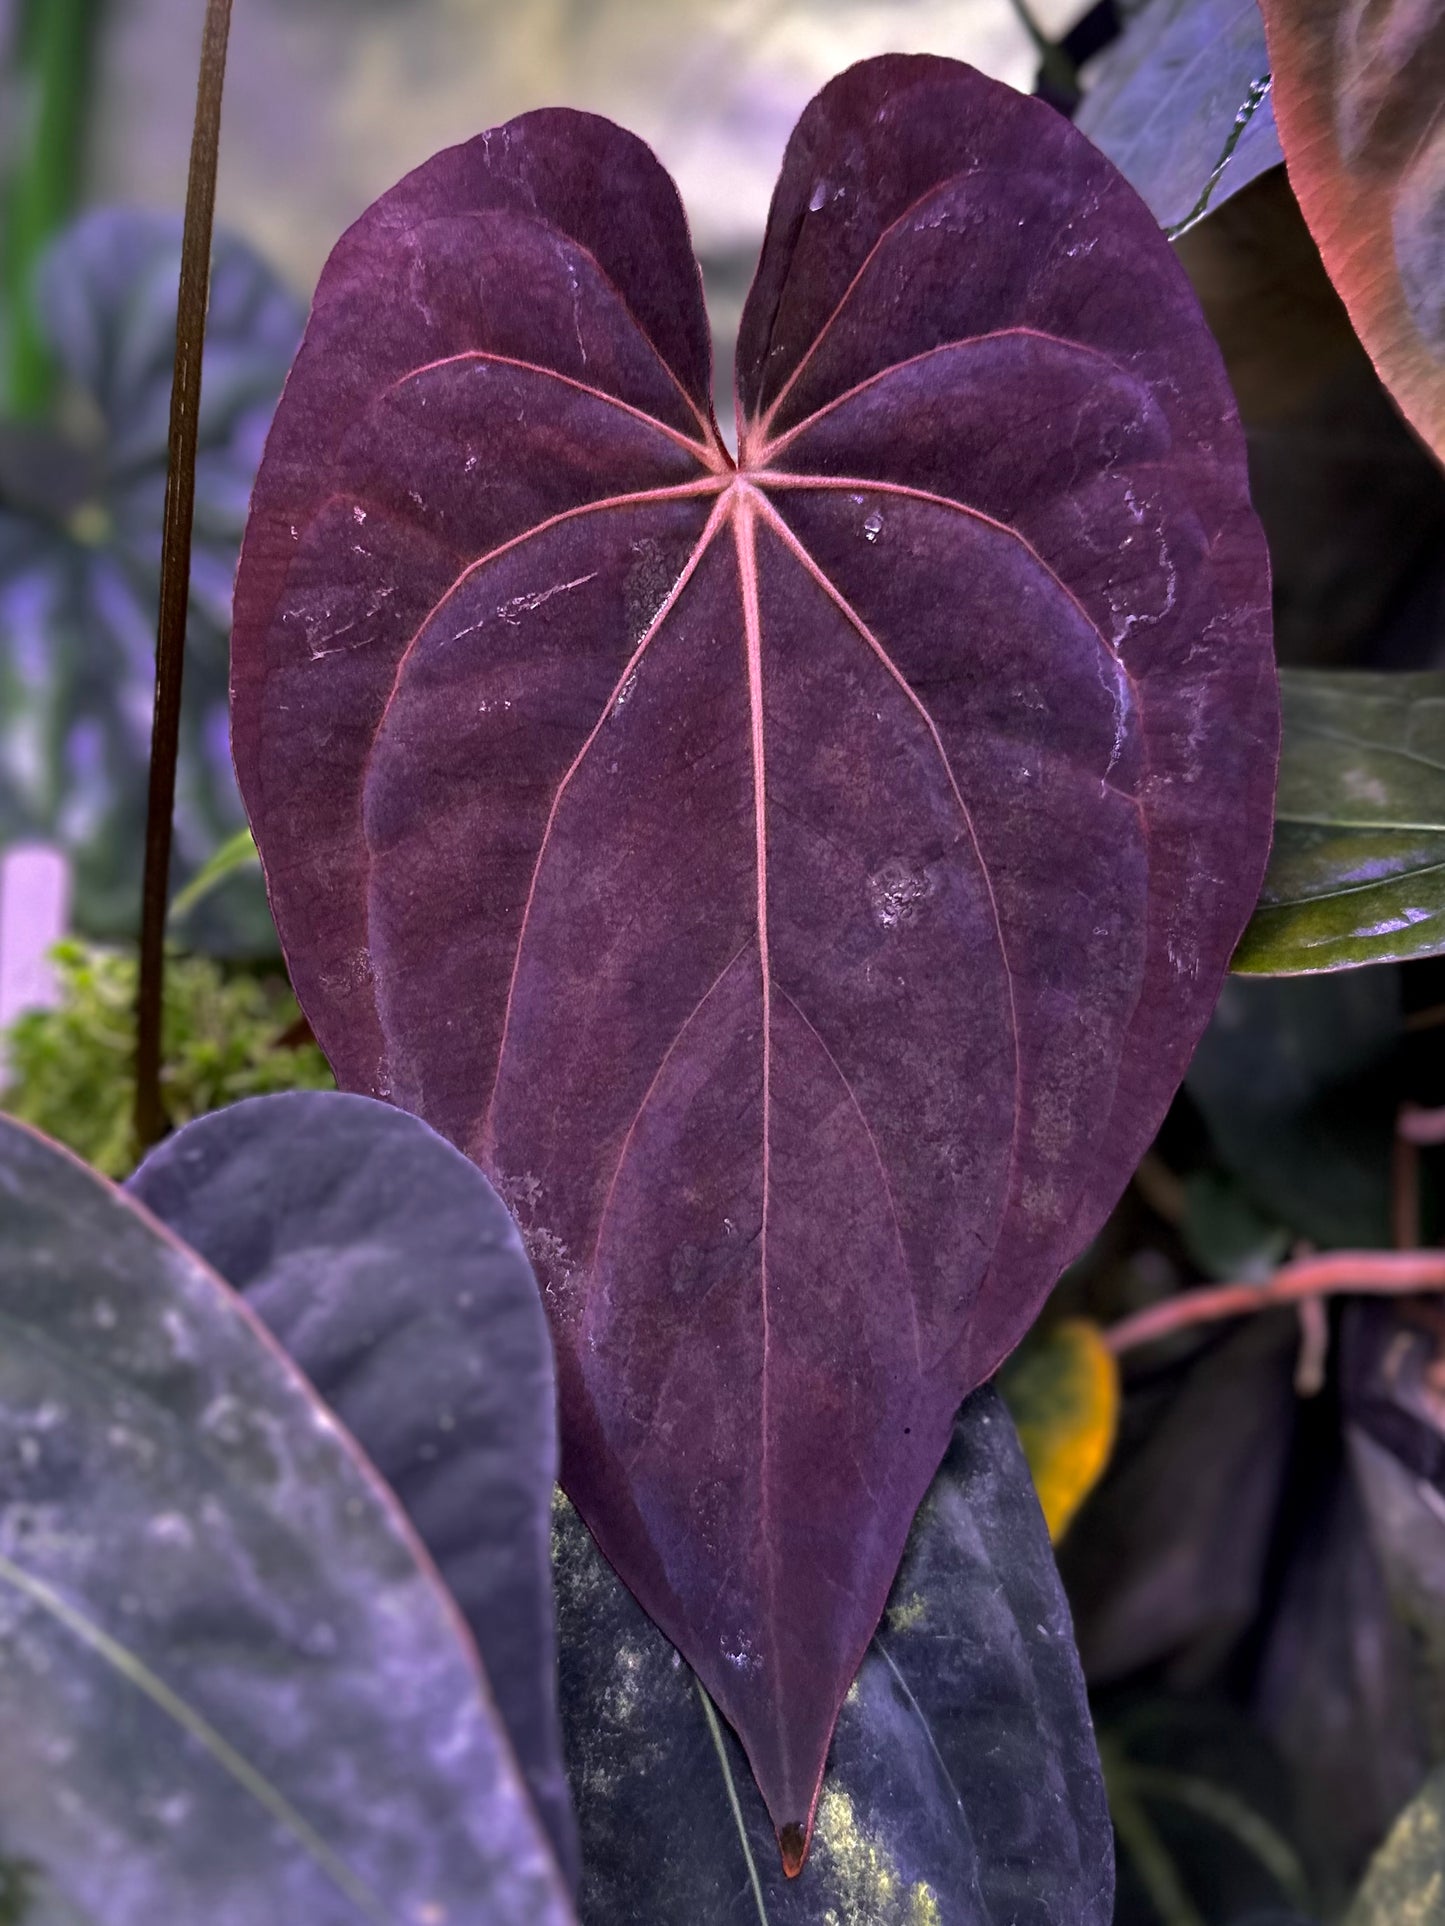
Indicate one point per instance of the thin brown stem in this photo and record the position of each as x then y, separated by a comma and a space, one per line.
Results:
1337, 1273
195, 284
1404, 1193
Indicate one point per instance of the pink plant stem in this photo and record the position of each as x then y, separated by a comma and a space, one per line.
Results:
1353, 1273
1417, 1125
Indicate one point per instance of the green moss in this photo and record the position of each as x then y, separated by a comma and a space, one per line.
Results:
872, 1891
69, 1071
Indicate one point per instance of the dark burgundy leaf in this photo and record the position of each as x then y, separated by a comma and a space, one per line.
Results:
383, 1262
1334, 1688
1166, 1564
963, 1785
799, 885
232, 1688
1357, 90
1351, 501
1394, 1373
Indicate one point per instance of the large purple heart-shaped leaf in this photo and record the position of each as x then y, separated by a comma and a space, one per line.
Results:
231, 1684
799, 883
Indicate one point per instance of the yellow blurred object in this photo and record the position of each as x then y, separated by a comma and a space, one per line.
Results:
1062, 1387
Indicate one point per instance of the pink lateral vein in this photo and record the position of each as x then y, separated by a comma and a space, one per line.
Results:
710, 457
860, 1113
571, 241
781, 480
710, 485
483, 1144
647, 1095
864, 632
770, 449
826, 327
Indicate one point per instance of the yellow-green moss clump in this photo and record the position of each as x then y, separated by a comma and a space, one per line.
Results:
872, 1890
70, 1072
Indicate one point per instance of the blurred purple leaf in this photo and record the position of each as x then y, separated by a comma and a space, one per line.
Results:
386, 1266
233, 1689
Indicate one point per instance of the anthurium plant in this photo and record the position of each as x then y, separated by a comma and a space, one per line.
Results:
797, 878
759, 896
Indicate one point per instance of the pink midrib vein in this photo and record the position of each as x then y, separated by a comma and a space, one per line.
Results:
744, 536
740, 503
741, 500
735, 506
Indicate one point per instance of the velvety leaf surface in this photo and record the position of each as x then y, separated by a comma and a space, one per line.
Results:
799, 885
1357, 93
388, 1268
232, 1689
962, 1787
1357, 872
1180, 104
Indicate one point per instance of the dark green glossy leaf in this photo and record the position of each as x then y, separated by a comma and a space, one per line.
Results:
1357, 874
80, 523
1407, 1524
231, 1688
963, 1784
1294, 1080
388, 1268
1180, 104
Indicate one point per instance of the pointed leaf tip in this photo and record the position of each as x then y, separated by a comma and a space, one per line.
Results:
793, 1844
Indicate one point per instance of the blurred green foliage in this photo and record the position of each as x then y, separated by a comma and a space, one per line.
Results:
53, 46
17, 1891
71, 1071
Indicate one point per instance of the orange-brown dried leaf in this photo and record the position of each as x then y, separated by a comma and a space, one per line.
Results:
1062, 1386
